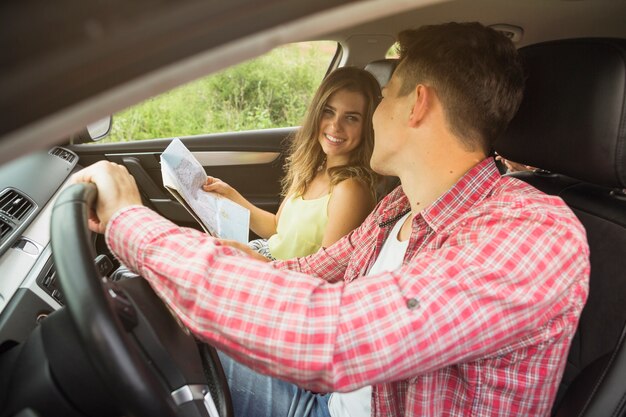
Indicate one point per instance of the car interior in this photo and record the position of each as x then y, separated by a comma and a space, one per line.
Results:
73, 344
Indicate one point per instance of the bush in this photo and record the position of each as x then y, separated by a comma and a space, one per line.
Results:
273, 90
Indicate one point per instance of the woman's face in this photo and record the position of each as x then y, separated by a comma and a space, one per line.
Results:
341, 126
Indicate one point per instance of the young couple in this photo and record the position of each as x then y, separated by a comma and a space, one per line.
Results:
458, 295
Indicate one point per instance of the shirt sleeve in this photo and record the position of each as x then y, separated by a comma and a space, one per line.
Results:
493, 280
504, 281
328, 264
331, 263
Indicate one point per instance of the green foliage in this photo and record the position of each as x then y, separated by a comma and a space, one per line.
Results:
273, 90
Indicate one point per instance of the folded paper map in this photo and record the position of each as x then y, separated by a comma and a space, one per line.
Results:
184, 176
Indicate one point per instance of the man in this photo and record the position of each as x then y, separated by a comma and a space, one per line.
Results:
459, 295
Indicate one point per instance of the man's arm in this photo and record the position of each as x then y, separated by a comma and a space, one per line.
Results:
498, 281
330, 263
493, 282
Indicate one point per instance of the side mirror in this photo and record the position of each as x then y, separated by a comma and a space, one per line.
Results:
100, 128
94, 131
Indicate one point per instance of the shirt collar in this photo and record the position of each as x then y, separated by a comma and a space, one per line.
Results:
472, 188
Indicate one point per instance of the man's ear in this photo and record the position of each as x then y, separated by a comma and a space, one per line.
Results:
422, 98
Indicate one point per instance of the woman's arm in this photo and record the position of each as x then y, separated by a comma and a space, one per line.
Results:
350, 203
263, 223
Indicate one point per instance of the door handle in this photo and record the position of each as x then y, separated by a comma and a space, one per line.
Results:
145, 182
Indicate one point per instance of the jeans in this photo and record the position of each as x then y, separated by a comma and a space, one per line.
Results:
258, 395
261, 246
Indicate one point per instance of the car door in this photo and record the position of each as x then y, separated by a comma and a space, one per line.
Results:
250, 161
237, 123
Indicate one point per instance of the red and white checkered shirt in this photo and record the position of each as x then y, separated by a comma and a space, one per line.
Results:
477, 322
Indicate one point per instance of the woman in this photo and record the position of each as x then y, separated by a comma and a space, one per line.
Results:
329, 187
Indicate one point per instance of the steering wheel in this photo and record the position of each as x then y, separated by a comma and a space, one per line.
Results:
151, 363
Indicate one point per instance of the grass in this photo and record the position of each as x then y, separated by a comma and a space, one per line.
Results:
273, 90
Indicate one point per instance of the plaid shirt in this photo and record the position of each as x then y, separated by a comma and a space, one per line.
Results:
477, 322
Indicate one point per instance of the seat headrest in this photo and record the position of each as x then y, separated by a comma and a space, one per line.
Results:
572, 120
382, 70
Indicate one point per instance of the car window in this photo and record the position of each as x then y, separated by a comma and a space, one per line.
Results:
393, 51
270, 91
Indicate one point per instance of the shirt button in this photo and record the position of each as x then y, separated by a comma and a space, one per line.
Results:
412, 303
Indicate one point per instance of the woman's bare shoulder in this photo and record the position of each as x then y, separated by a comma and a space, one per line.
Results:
352, 189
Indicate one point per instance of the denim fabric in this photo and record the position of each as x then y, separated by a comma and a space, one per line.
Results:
261, 246
257, 395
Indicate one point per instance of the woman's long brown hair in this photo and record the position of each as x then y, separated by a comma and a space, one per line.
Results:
305, 152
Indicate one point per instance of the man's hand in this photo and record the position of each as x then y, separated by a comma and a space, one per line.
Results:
116, 189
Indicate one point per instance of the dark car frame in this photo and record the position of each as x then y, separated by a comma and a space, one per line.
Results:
81, 336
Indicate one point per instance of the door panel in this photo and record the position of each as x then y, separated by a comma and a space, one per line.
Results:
249, 161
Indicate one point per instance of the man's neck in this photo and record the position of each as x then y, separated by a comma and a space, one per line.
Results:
424, 183
424, 186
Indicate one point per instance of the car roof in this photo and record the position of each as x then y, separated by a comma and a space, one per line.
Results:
68, 63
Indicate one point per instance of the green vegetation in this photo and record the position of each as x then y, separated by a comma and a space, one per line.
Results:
273, 90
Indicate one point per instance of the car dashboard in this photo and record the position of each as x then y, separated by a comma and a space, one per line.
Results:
28, 287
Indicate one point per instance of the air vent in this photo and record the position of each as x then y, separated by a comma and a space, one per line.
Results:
14, 204
5, 229
63, 154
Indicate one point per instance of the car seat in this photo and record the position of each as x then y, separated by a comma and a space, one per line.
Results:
572, 124
382, 70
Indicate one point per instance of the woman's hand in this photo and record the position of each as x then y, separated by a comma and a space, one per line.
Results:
245, 248
216, 185
262, 222
514, 166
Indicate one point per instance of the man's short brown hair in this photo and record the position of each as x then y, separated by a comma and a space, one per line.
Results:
475, 72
